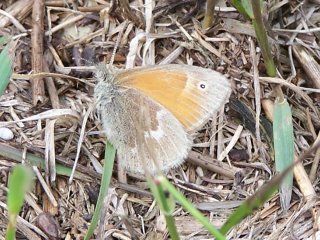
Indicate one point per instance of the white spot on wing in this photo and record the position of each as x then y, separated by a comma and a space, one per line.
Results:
158, 133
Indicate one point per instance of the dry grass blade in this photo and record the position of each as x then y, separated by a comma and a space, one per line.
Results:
67, 115
19, 9
309, 64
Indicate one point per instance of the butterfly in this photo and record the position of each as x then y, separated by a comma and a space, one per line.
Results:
149, 113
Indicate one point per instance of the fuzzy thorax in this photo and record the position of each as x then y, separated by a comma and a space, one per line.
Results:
105, 88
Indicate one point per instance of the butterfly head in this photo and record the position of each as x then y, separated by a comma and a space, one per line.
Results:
104, 73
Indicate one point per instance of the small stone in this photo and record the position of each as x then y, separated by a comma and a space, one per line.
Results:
6, 133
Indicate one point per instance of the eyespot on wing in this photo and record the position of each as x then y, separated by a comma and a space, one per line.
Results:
192, 94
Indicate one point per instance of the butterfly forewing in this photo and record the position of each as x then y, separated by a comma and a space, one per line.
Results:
192, 94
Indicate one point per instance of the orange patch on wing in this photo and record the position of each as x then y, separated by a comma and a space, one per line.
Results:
169, 89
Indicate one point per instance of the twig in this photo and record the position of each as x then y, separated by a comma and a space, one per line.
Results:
215, 166
38, 93
257, 91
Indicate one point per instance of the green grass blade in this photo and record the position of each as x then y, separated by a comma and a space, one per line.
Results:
20, 182
251, 9
262, 38
188, 206
4, 40
254, 202
208, 16
263, 194
5, 68
110, 154
166, 203
16, 155
243, 7
284, 147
